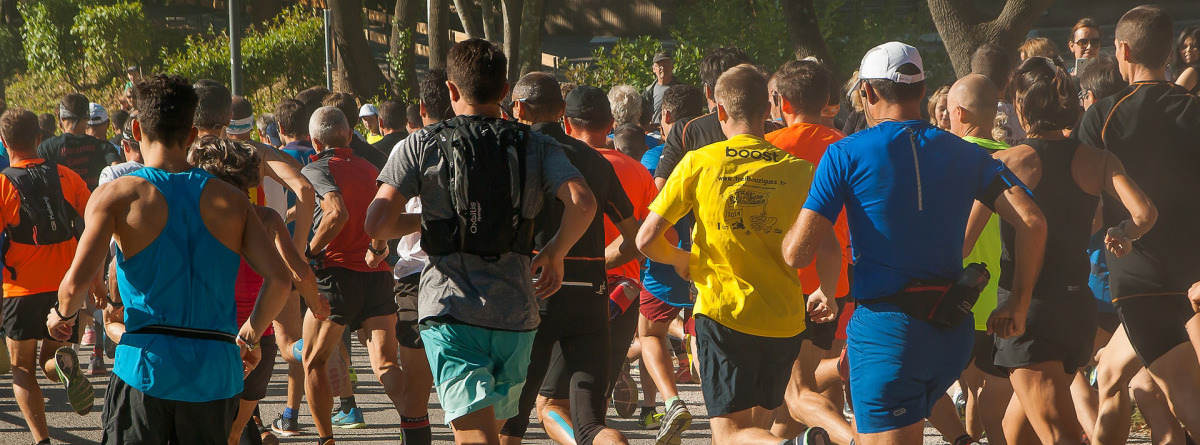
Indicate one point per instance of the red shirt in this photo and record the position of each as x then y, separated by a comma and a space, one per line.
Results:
339, 170
808, 142
639, 187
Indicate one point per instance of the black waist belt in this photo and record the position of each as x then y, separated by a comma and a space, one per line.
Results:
197, 334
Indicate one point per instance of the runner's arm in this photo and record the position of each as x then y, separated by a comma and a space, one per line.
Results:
623, 249
975, 225
809, 234
1142, 213
262, 256
579, 206
334, 217
386, 218
282, 168
652, 241
1016, 207
302, 275
99, 223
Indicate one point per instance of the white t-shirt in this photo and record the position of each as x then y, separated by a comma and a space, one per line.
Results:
412, 258
116, 171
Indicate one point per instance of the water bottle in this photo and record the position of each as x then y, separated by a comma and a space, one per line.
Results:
958, 301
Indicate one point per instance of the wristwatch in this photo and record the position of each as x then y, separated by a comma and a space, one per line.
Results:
247, 344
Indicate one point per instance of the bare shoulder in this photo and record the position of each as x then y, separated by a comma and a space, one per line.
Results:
269, 217
221, 197
1019, 156
271, 154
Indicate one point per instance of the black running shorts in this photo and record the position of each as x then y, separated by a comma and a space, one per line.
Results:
1060, 328
983, 355
822, 334
132, 417
739, 371
408, 331
25, 317
254, 387
1155, 324
356, 296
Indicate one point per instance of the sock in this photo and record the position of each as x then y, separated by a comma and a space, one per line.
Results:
290, 413
647, 410
43, 442
671, 402
325, 440
347, 404
416, 430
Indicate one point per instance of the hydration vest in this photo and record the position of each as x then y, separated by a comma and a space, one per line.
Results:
46, 217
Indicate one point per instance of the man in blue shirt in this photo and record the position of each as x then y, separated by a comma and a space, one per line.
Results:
908, 188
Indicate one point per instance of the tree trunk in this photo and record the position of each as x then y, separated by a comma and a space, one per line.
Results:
402, 47
492, 29
359, 74
469, 16
964, 28
532, 25
439, 33
512, 36
803, 29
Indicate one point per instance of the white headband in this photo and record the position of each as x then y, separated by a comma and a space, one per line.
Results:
240, 126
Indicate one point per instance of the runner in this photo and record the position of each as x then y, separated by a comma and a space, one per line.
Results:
36, 255
391, 123
74, 148
348, 269
972, 106
188, 394
460, 322
666, 295
750, 311
801, 92
1151, 126
1066, 179
899, 213
570, 397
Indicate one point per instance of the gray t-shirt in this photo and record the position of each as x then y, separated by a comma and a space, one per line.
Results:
489, 294
656, 93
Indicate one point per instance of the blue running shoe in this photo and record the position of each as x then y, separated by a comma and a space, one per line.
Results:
298, 350
352, 419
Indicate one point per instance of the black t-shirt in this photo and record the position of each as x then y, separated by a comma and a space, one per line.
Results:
367, 151
688, 135
389, 142
1154, 129
83, 154
585, 260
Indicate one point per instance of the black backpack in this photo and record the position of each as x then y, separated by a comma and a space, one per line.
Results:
484, 161
45, 215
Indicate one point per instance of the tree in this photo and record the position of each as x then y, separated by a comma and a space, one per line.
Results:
470, 18
803, 29
439, 33
512, 35
532, 16
357, 73
490, 11
963, 27
402, 46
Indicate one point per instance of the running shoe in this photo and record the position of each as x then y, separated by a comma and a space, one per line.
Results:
298, 350
650, 420
625, 395
96, 365
813, 436
79, 389
285, 426
675, 421
353, 377
352, 419
89, 336
960, 402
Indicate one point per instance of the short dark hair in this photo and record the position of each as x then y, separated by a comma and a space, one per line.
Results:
48, 124
391, 115
993, 63
435, 95
292, 116
345, 102
1046, 97
683, 101
1147, 29
312, 97
118, 119
215, 105
242, 108
896, 92
76, 104
478, 69
1102, 77
804, 83
541, 94
166, 107
20, 130
717, 62
413, 112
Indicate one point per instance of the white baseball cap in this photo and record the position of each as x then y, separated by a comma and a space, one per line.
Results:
884, 61
97, 114
367, 110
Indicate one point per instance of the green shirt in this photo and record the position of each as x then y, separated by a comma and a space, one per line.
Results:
987, 251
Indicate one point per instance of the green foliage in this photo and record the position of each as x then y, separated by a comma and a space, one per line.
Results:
628, 62
117, 36
849, 35
755, 26
400, 66
40, 92
287, 50
49, 45
12, 54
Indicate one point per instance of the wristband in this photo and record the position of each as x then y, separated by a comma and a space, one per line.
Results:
247, 344
64, 317
377, 252
308, 253
1121, 227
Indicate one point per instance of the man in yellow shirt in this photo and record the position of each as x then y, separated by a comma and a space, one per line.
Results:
750, 308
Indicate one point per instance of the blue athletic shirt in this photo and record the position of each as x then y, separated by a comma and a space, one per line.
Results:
183, 279
660, 279
908, 188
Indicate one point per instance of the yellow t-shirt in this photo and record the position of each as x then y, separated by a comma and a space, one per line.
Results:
745, 194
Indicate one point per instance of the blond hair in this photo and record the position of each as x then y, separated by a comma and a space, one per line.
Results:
742, 90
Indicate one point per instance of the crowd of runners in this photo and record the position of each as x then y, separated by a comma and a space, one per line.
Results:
827, 259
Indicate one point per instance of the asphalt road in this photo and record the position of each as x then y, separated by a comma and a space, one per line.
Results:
383, 424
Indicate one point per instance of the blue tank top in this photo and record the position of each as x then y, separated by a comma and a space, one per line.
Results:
183, 279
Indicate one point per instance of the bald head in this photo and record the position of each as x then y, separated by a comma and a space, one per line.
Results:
538, 98
972, 105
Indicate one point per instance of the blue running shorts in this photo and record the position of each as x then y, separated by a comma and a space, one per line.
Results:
474, 368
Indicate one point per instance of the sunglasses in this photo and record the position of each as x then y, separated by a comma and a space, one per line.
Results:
1088, 42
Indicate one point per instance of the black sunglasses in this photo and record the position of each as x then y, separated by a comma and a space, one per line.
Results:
1095, 41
